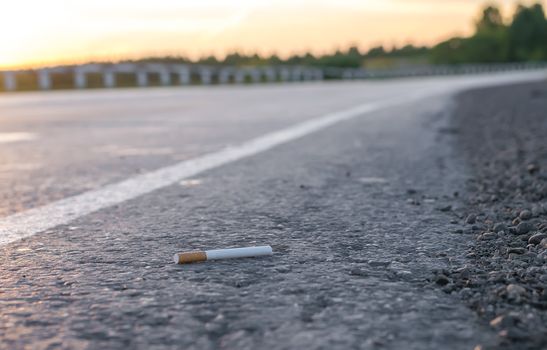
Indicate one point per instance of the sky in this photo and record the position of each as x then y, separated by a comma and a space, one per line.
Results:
40, 33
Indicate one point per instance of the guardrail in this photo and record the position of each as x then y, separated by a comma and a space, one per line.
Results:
160, 74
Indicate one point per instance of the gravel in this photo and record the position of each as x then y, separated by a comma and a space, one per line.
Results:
502, 138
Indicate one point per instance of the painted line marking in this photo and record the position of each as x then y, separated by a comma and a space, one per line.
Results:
7, 137
61, 212
190, 182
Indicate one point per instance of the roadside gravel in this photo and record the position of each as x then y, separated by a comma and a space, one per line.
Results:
502, 133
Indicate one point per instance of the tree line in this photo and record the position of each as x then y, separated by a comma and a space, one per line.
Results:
522, 39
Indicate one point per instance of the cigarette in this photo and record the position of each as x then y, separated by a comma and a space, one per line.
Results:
218, 254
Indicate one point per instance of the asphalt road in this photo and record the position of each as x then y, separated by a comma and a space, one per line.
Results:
353, 254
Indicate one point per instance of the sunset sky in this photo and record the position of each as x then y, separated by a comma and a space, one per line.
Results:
38, 32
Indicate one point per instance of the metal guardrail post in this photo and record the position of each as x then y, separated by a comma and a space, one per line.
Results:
269, 73
184, 75
240, 76
80, 79
296, 74
256, 76
224, 76
165, 77
10, 83
142, 78
284, 74
206, 76
44, 79
109, 78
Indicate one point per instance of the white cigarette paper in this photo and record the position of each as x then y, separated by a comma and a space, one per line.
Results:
219, 254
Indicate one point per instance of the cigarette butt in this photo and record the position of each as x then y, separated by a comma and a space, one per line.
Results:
219, 254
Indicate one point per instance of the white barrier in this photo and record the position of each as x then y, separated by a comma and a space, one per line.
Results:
225, 75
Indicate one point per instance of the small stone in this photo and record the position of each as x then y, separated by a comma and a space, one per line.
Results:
466, 293
532, 168
442, 280
445, 208
487, 236
524, 237
514, 334
524, 227
500, 226
357, 272
516, 251
471, 219
504, 321
537, 238
515, 292
543, 243
464, 272
525, 215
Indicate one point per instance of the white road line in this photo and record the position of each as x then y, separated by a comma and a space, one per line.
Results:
33, 221
7, 137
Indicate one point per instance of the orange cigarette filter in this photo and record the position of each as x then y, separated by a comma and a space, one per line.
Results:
190, 257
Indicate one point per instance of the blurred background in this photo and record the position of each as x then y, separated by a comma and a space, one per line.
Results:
172, 42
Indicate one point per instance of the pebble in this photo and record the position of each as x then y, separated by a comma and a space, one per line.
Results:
487, 236
442, 280
516, 251
471, 219
525, 215
504, 321
524, 227
532, 168
446, 208
537, 238
500, 226
508, 268
358, 272
515, 292
514, 334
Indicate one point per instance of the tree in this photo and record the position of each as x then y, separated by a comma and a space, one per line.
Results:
490, 21
490, 43
528, 34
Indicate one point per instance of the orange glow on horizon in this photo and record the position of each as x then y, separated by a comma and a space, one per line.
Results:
40, 33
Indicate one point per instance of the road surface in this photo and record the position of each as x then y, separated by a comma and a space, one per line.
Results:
100, 188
